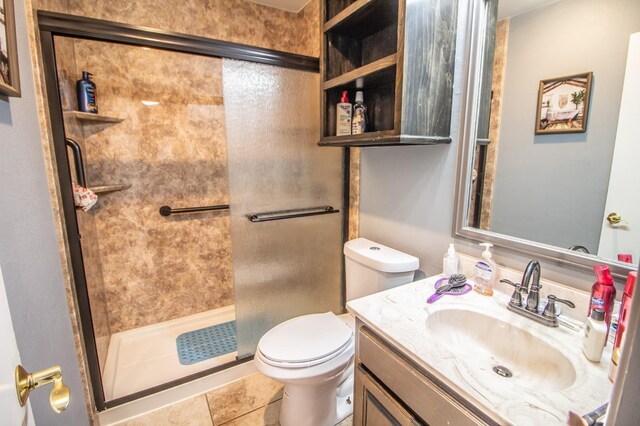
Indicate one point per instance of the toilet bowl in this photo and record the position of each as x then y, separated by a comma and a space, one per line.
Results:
312, 355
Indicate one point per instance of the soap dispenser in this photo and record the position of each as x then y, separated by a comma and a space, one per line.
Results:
450, 262
485, 272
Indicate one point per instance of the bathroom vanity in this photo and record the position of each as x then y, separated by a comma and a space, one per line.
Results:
467, 360
390, 389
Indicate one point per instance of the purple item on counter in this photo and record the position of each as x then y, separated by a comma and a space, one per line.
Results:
456, 291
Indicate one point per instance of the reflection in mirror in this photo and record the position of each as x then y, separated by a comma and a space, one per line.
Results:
557, 125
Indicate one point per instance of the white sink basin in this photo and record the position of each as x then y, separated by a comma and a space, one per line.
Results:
485, 342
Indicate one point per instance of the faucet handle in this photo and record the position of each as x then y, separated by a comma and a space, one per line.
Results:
550, 309
506, 281
516, 297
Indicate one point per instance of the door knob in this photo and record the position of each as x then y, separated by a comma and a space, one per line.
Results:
615, 219
26, 382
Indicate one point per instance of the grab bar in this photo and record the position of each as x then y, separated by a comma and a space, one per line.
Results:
81, 177
168, 211
291, 214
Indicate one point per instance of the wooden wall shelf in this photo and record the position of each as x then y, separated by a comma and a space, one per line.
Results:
404, 52
363, 72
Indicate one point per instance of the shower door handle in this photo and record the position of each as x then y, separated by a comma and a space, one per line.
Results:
78, 161
291, 214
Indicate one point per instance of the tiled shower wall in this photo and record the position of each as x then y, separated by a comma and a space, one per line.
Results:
168, 272
157, 268
239, 21
174, 153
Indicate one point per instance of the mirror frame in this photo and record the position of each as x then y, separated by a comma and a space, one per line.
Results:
478, 16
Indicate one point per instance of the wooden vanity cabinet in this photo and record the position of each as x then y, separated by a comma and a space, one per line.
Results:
403, 52
391, 390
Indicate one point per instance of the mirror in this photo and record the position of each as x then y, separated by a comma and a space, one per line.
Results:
549, 163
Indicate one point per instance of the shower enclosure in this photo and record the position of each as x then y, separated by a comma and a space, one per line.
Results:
217, 216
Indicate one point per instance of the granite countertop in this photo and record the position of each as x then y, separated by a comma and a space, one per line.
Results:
400, 316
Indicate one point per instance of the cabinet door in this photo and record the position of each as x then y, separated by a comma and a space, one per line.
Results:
377, 407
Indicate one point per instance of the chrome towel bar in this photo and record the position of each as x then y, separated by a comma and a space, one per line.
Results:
168, 211
291, 214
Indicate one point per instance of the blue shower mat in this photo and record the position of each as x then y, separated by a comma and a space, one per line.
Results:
206, 343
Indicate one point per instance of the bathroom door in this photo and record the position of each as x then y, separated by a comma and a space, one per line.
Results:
624, 169
292, 266
10, 410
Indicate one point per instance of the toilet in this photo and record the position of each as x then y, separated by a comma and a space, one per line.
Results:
312, 355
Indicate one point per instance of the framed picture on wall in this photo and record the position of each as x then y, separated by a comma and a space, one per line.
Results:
563, 104
9, 74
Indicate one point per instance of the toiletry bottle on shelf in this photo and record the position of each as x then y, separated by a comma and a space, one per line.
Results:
595, 335
343, 116
627, 258
623, 318
603, 293
450, 262
86, 91
359, 122
485, 272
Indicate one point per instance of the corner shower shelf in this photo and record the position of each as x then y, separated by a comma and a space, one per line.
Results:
106, 189
93, 118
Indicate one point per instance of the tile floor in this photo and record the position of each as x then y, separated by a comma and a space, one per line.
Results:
252, 401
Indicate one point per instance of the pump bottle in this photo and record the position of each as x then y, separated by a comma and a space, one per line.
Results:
485, 272
450, 262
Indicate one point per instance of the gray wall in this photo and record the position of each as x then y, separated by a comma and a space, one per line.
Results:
28, 248
552, 188
407, 198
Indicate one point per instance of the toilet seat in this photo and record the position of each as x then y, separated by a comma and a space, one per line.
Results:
305, 341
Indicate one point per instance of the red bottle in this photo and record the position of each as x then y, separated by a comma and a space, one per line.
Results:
603, 293
626, 305
625, 258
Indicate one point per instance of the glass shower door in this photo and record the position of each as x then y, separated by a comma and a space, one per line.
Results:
289, 266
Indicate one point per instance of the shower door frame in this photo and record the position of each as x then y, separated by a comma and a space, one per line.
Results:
52, 24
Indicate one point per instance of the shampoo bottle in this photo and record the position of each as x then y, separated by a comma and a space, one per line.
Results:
343, 116
485, 272
86, 91
359, 121
603, 293
450, 262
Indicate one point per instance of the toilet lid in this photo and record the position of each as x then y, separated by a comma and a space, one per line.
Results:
306, 338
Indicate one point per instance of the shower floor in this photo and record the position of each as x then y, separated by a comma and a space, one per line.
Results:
145, 357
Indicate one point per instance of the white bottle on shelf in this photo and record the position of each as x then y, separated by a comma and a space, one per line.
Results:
344, 111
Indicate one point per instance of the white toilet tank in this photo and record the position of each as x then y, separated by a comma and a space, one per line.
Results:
371, 267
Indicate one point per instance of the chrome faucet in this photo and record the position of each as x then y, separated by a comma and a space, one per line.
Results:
530, 288
532, 271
